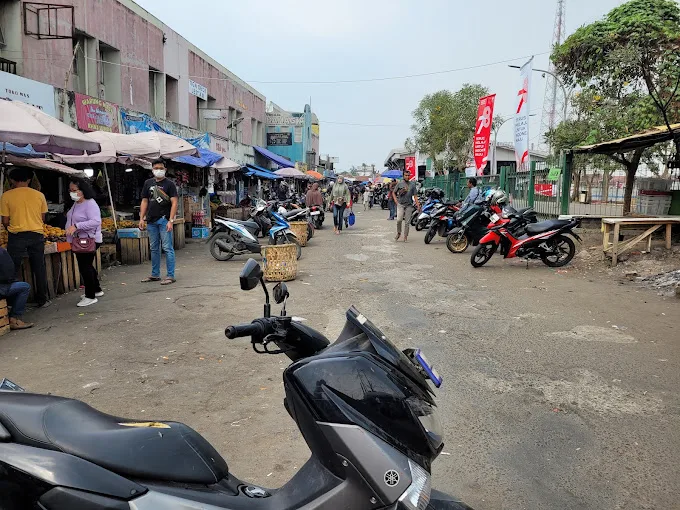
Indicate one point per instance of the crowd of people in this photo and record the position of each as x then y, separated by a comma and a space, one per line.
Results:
23, 211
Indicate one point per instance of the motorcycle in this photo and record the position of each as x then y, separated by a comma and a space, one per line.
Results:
443, 220
317, 215
366, 410
231, 237
421, 220
546, 240
297, 213
476, 220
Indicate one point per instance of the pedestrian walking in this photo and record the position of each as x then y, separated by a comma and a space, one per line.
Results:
84, 221
23, 212
371, 193
157, 212
340, 198
13, 291
391, 202
314, 196
405, 193
367, 197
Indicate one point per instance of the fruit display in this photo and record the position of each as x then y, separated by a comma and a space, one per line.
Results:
109, 226
54, 234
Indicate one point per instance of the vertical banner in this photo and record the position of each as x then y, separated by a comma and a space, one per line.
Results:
483, 133
410, 166
522, 118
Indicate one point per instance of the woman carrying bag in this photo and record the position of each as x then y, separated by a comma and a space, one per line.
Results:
84, 232
340, 198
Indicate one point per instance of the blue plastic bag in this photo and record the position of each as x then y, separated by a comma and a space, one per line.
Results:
351, 218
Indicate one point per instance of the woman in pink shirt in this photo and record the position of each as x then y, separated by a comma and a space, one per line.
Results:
84, 219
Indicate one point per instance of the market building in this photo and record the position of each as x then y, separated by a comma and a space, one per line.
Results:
294, 135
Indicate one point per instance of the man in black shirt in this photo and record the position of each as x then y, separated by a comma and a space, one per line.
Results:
16, 293
157, 212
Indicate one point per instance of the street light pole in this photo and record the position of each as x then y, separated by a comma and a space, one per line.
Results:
557, 79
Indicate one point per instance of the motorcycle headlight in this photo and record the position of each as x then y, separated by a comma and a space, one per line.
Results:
417, 496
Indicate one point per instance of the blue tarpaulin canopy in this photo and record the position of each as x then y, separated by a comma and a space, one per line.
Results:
258, 171
279, 160
205, 158
24, 152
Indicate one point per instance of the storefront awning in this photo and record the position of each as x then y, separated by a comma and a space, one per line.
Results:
258, 171
44, 164
203, 159
645, 139
279, 160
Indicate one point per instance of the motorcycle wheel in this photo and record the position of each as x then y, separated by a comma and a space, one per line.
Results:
564, 250
457, 243
317, 224
310, 231
431, 232
482, 254
216, 251
414, 219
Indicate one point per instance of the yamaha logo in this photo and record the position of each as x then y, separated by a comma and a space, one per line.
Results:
391, 478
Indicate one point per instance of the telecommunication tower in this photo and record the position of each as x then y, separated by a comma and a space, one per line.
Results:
553, 104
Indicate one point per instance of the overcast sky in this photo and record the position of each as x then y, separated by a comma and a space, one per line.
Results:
318, 40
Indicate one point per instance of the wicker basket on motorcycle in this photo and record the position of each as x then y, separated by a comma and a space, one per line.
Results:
279, 262
299, 228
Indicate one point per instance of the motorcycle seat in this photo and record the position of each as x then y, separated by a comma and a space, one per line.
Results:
247, 223
166, 451
545, 226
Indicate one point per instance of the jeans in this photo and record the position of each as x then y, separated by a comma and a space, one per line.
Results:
160, 237
89, 273
392, 206
338, 211
32, 244
16, 297
404, 213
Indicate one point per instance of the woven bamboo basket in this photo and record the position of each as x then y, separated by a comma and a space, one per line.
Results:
280, 262
299, 228
4, 318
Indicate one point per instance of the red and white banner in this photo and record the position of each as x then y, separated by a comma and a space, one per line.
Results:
522, 118
410, 166
483, 132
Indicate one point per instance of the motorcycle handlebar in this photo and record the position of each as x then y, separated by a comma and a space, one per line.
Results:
240, 330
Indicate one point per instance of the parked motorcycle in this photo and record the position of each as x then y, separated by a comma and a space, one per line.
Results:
546, 240
231, 237
366, 410
293, 212
317, 215
443, 219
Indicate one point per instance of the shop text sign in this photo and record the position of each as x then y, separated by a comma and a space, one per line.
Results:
285, 120
410, 166
198, 90
28, 91
279, 139
483, 132
95, 114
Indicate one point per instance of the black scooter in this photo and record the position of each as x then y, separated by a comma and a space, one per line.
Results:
366, 410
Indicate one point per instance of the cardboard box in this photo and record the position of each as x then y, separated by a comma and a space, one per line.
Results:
200, 232
132, 233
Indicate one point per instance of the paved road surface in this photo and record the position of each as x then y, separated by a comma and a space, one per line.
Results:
560, 392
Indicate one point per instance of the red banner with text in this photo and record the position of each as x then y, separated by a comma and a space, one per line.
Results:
95, 114
483, 132
410, 166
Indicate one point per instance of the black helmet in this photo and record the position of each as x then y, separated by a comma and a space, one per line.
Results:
437, 193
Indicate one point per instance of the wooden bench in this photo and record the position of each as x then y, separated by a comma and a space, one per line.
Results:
619, 226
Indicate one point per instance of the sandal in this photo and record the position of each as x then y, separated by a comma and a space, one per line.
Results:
168, 281
151, 279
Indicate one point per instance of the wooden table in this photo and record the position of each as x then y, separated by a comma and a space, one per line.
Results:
618, 226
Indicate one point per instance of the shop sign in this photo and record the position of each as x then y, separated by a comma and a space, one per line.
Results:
219, 146
285, 120
213, 114
28, 91
410, 166
198, 90
95, 114
279, 139
483, 132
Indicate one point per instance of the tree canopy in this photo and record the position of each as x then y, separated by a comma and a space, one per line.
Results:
444, 122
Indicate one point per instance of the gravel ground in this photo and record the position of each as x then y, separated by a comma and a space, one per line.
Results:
561, 388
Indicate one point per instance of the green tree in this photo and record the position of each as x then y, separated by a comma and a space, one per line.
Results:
631, 58
446, 120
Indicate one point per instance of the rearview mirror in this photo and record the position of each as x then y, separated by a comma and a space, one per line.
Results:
280, 293
251, 275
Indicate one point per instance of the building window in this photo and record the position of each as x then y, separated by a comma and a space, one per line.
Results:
154, 78
298, 134
8, 66
172, 99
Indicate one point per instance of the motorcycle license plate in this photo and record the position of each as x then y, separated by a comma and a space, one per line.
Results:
494, 218
429, 369
315, 213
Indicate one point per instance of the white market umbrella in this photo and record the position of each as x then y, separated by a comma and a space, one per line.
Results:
225, 166
22, 124
291, 173
153, 144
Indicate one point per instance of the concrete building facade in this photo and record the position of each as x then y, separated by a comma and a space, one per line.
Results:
118, 53
294, 135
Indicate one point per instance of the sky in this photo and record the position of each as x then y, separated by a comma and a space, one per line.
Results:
317, 40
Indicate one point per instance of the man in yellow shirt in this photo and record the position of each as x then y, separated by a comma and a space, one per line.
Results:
23, 215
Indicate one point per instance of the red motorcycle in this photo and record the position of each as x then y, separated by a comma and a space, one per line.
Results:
546, 240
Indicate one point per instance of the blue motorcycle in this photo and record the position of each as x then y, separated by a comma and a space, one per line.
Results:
231, 237
422, 220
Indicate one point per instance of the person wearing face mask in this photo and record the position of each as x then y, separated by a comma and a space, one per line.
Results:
23, 212
340, 197
84, 220
157, 212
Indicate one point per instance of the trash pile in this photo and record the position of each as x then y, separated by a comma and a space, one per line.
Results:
667, 283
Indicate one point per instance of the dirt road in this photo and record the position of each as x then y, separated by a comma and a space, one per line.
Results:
560, 392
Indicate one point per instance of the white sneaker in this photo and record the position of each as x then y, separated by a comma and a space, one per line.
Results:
87, 301
97, 294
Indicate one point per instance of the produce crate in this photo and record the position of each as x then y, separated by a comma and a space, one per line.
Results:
132, 233
4, 317
280, 262
179, 234
653, 183
657, 204
135, 250
299, 228
200, 232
